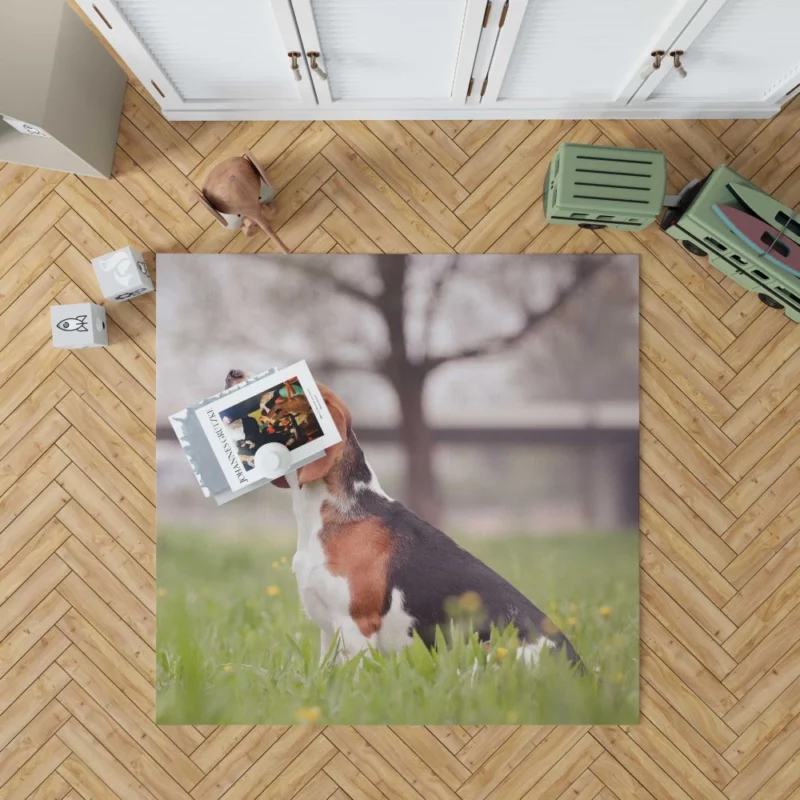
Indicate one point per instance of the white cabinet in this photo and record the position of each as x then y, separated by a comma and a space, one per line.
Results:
209, 56
735, 51
338, 59
579, 52
404, 53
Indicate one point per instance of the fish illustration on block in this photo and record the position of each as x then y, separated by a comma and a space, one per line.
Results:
769, 209
77, 324
763, 238
122, 274
119, 263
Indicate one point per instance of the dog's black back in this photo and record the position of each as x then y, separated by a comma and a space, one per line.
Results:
432, 572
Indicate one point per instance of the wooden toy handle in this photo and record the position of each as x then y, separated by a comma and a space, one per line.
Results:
213, 211
257, 167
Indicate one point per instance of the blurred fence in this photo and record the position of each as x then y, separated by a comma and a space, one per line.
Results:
561, 467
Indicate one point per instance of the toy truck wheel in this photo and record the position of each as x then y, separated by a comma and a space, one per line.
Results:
769, 301
591, 226
693, 248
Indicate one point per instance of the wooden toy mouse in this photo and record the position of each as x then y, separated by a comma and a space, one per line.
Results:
237, 192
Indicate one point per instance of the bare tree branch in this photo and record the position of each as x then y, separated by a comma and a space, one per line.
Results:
433, 304
328, 277
533, 319
337, 365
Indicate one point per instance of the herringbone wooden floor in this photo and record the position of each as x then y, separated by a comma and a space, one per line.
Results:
720, 472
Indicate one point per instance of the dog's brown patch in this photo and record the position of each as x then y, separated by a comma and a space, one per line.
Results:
359, 552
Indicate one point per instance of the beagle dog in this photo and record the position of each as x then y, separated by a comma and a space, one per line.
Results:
372, 572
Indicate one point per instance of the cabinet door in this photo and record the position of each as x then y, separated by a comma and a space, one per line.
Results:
390, 53
208, 54
578, 53
745, 51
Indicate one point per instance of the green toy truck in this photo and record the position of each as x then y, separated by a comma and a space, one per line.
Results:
609, 187
702, 232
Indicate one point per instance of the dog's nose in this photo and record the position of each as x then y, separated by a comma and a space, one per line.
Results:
234, 376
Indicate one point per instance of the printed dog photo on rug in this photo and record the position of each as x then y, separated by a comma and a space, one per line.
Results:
281, 414
465, 551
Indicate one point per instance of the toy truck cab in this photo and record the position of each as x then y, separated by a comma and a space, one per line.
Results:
702, 232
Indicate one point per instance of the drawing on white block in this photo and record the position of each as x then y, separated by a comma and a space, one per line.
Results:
79, 325
25, 127
122, 274
74, 324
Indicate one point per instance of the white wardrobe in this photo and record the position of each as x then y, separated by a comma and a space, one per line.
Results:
435, 59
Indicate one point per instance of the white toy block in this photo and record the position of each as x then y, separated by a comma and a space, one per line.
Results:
122, 274
79, 325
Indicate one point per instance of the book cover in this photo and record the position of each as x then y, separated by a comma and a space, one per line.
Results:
221, 434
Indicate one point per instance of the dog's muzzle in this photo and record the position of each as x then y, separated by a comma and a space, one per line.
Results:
235, 376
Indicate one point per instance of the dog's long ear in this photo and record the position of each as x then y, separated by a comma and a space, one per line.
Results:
317, 470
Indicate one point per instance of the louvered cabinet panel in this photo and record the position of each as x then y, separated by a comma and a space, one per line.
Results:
748, 51
206, 53
433, 59
390, 51
580, 50
228, 49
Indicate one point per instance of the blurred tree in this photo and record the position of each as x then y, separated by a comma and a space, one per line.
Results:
598, 341
423, 304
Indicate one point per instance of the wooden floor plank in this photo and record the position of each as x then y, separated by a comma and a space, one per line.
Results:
159, 131
37, 769
720, 469
437, 143
358, 153
33, 715
125, 641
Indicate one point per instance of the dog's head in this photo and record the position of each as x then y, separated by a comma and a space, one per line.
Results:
321, 468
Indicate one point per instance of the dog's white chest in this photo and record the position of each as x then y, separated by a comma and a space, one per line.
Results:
325, 597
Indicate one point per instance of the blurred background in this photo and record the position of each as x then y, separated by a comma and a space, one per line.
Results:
494, 395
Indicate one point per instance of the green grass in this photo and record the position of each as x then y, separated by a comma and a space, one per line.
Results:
235, 647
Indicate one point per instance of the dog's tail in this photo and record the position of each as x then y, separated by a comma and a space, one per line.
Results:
530, 651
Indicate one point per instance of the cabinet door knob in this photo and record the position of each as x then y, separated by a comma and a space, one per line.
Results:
296, 74
657, 55
313, 56
676, 59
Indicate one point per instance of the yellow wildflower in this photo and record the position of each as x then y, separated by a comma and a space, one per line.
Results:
283, 559
605, 612
308, 715
470, 602
572, 621
273, 591
501, 653
276, 564
228, 668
